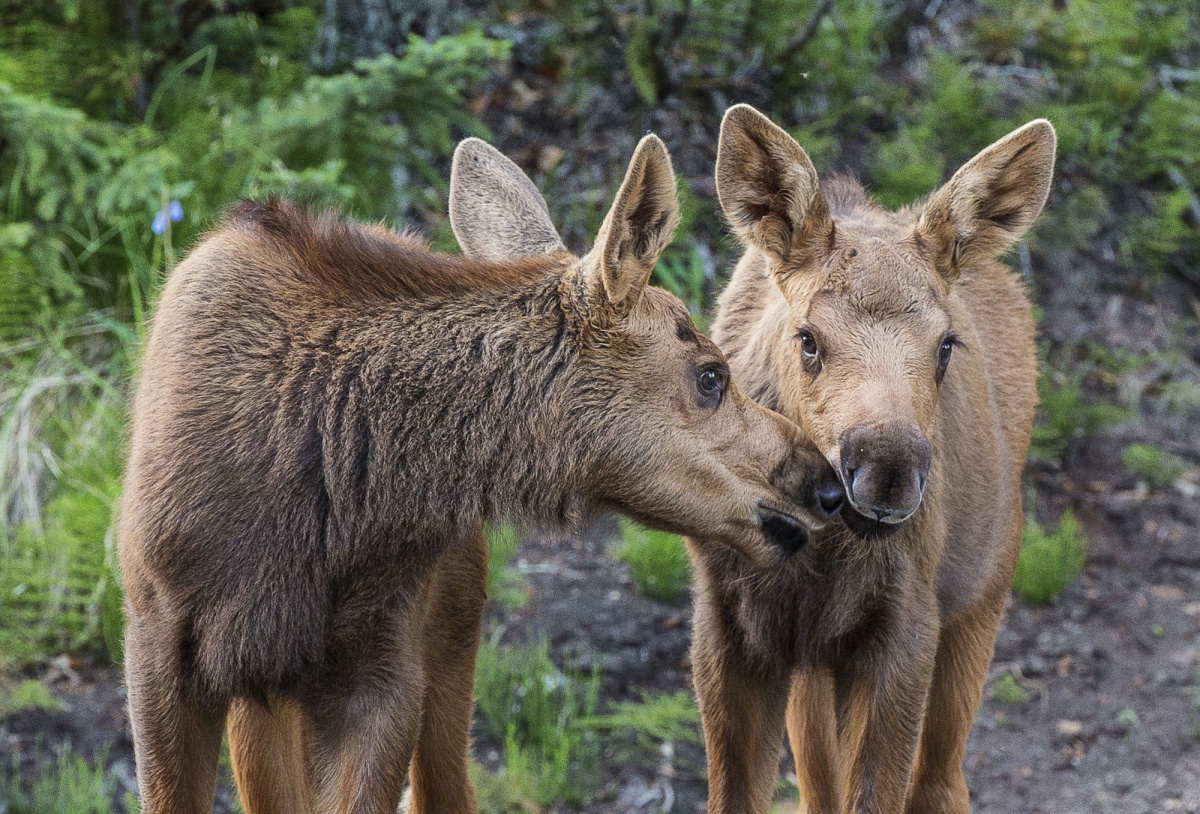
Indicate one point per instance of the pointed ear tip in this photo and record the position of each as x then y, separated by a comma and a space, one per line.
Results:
1041, 128
652, 144
473, 147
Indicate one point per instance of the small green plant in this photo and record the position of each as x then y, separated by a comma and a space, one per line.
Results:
540, 713
657, 718
1006, 690
657, 561
1157, 467
69, 784
1128, 720
1049, 560
505, 584
1065, 413
497, 793
30, 694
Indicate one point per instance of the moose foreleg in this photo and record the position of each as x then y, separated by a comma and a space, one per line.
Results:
964, 651
743, 718
890, 699
813, 735
440, 784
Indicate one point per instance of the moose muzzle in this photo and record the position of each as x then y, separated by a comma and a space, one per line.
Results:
884, 468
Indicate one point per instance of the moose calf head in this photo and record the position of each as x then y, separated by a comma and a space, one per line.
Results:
865, 327
675, 443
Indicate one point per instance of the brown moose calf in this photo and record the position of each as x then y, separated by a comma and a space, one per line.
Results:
328, 413
872, 644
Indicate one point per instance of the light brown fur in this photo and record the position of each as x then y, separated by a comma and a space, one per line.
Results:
872, 644
327, 415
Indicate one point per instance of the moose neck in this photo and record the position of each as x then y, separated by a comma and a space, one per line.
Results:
457, 410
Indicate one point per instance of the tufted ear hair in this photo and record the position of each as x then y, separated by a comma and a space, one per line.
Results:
495, 210
991, 201
638, 227
769, 188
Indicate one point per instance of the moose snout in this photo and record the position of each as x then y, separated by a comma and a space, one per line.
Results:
884, 468
813, 494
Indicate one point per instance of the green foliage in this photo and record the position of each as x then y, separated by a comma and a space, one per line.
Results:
1065, 412
657, 718
506, 586
1049, 560
29, 694
69, 784
235, 111
658, 562
1006, 690
1158, 467
540, 713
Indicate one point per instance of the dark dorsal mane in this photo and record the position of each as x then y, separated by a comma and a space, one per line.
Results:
356, 262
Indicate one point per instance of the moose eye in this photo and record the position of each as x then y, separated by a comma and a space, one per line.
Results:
710, 384
944, 352
808, 344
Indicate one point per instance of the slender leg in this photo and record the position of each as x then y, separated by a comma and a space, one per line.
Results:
964, 652
176, 734
812, 728
451, 639
267, 745
365, 722
888, 702
743, 717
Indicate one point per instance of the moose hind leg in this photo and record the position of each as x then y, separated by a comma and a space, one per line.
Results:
176, 733
451, 633
365, 721
267, 747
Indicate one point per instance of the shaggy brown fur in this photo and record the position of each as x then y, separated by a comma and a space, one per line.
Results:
872, 645
326, 416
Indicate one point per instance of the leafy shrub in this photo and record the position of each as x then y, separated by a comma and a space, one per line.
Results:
658, 562
540, 714
1158, 467
1050, 560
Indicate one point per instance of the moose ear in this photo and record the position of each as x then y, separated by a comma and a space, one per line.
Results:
495, 210
769, 188
639, 226
991, 201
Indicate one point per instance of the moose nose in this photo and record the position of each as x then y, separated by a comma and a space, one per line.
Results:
830, 494
885, 468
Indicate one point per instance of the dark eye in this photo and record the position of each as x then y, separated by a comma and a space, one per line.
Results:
710, 383
944, 352
808, 344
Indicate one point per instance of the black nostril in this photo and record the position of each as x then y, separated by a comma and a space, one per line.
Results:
831, 496
785, 533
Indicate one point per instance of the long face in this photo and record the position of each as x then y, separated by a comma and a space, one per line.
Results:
690, 452
672, 441
864, 344
865, 350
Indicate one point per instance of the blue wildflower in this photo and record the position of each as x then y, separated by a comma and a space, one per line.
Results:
174, 213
